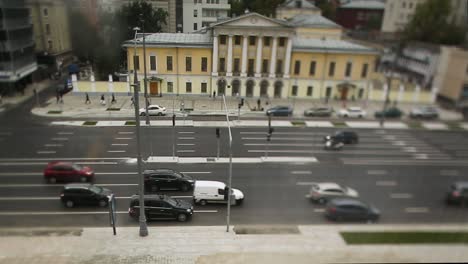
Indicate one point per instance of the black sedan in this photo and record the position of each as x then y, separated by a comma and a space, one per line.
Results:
167, 179
342, 209
345, 137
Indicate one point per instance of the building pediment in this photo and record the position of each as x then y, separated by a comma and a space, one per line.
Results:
252, 20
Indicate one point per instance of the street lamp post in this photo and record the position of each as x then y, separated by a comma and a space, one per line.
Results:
389, 86
145, 85
136, 90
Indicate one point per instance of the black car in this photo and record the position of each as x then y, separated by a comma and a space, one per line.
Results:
167, 179
280, 111
85, 194
346, 137
458, 193
161, 207
350, 209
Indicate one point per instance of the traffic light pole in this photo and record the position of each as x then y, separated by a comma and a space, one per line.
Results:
173, 136
218, 135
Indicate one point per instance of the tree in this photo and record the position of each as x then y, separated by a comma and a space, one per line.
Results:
83, 44
327, 7
430, 23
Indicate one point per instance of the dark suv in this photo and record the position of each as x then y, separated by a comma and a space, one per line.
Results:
458, 193
84, 194
346, 137
161, 207
167, 179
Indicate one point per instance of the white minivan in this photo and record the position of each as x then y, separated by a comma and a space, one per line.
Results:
213, 192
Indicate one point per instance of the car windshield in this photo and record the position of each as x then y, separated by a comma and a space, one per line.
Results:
96, 189
77, 167
172, 202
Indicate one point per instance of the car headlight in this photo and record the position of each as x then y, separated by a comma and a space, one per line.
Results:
189, 210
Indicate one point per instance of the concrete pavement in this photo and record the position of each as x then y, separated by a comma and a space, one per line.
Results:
212, 244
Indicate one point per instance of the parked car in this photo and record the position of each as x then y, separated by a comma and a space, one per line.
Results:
322, 192
85, 194
161, 207
356, 112
425, 112
319, 111
347, 137
167, 179
153, 110
280, 111
457, 193
214, 192
67, 172
392, 112
339, 209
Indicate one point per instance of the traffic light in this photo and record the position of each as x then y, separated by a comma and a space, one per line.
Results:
218, 134
173, 120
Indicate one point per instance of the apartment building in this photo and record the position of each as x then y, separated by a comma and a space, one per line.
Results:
198, 14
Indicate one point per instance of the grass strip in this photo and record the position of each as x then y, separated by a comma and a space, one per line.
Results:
266, 230
453, 125
413, 124
54, 112
405, 237
298, 123
339, 124
90, 123
130, 123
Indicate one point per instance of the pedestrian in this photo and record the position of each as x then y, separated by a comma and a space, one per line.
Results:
113, 99
61, 98
87, 99
132, 101
259, 102
57, 96
214, 95
103, 99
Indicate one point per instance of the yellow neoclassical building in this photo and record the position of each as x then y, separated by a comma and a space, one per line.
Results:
252, 55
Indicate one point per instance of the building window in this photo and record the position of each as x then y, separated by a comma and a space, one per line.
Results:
136, 60
170, 87
47, 29
195, 13
410, 5
267, 41
331, 70
252, 40
250, 67
237, 40
204, 64
279, 66
294, 90
169, 63
298, 4
222, 39
188, 87
204, 87
310, 90
188, 64
195, 26
46, 12
313, 64
222, 66
297, 67
403, 4
152, 63
236, 64
265, 66
282, 42
348, 69
364, 70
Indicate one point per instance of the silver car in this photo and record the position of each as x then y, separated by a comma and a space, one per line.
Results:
322, 192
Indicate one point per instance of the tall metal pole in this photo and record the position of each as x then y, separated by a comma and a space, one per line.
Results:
389, 87
136, 90
145, 85
228, 216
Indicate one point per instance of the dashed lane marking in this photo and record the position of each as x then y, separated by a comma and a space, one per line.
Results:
186, 144
116, 151
65, 133
185, 150
186, 132
449, 173
53, 145
376, 172
125, 133
186, 138
123, 138
417, 210
319, 210
305, 183
386, 183
81, 213
46, 152
119, 144
301, 172
59, 139
401, 196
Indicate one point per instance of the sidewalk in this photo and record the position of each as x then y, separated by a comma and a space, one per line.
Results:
212, 244
19, 98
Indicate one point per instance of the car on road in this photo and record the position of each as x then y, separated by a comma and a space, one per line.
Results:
58, 171
392, 112
280, 111
161, 207
323, 192
74, 194
356, 112
346, 137
215, 192
319, 111
424, 112
167, 179
153, 110
458, 193
343, 209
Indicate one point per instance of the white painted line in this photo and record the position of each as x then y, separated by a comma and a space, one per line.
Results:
182, 196
283, 144
119, 144
401, 196
449, 173
25, 198
116, 151
417, 210
116, 173
96, 163
376, 172
305, 183
186, 138
65, 133
420, 156
60, 139
186, 132
122, 138
22, 163
205, 211
319, 210
186, 150
301, 172
196, 172
288, 159
46, 152
53, 145
386, 183
58, 213
125, 133
68, 159
281, 138
20, 173
187, 144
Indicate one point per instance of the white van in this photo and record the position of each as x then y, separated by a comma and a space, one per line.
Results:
213, 192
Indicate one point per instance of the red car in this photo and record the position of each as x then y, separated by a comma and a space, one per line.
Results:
67, 172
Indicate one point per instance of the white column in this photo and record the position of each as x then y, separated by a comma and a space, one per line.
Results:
400, 93
417, 91
93, 83
214, 71
258, 61
273, 57
75, 83
385, 91
287, 62
128, 84
370, 93
111, 84
434, 92
244, 56
229, 58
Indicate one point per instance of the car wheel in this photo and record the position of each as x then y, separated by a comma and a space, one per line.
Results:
102, 203
184, 187
142, 114
83, 179
69, 204
181, 217
203, 202
322, 200
52, 180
